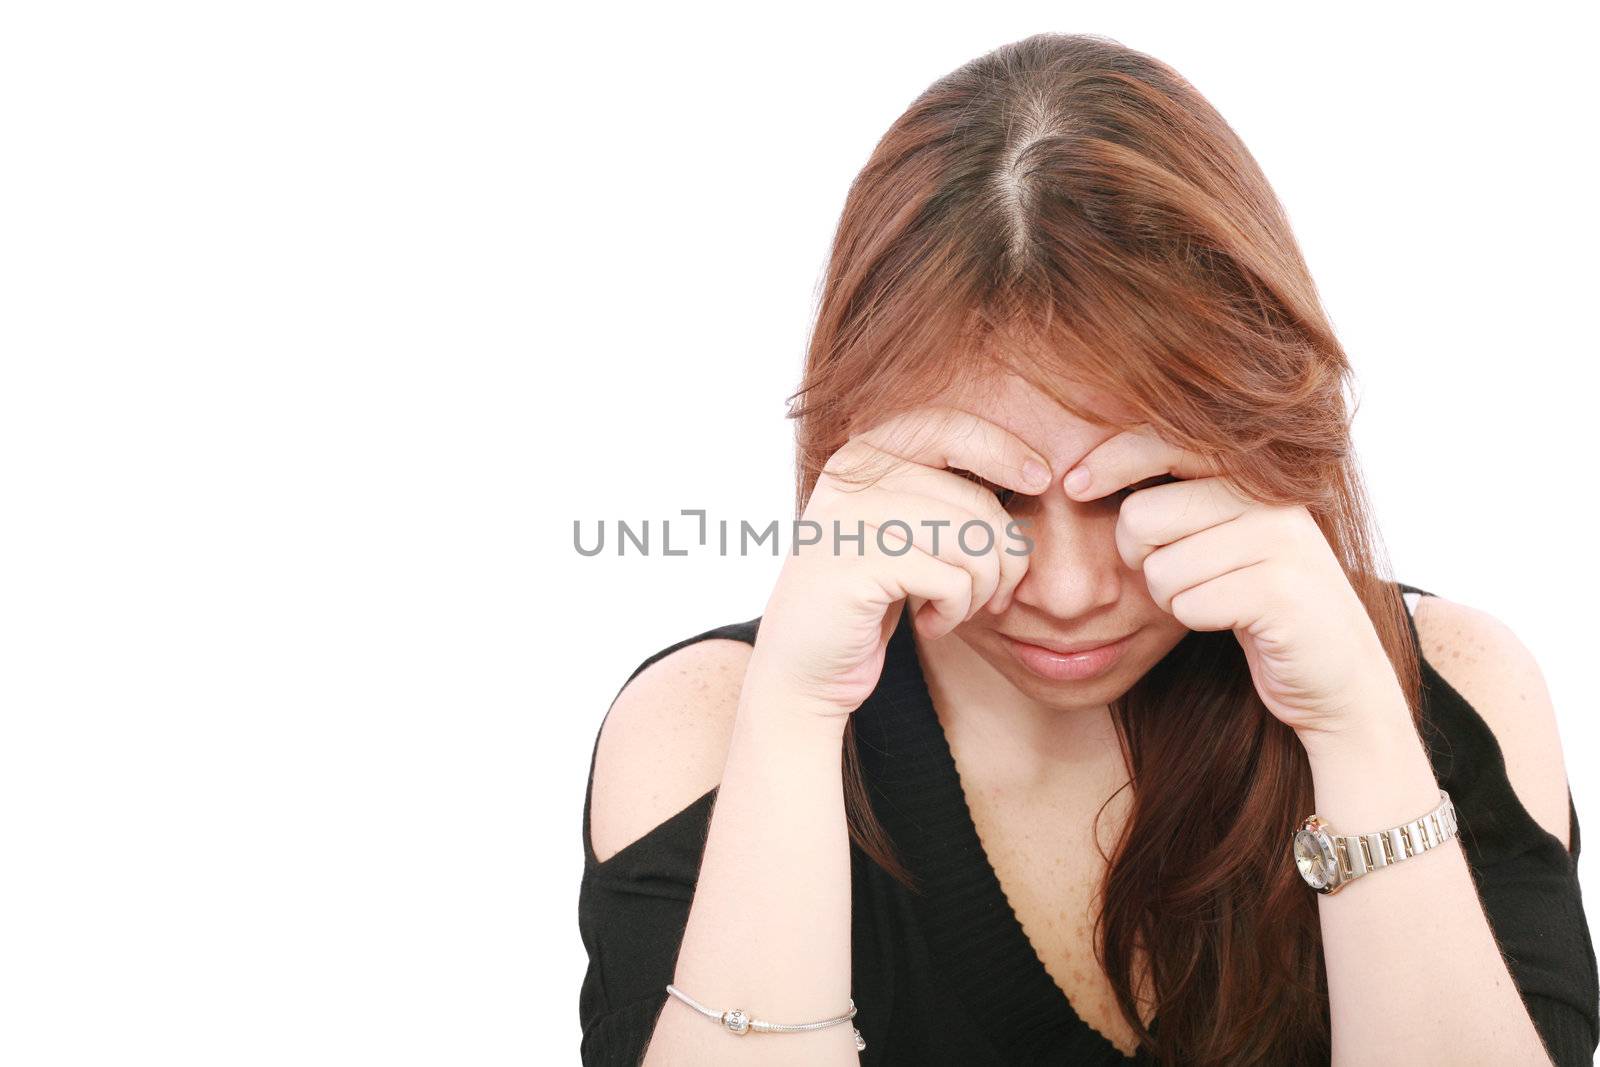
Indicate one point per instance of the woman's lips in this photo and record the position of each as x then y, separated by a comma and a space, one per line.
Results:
1067, 666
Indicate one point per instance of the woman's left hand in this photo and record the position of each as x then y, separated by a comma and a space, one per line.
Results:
1216, 559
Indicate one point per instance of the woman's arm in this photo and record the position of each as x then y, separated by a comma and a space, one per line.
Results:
1414, 969
769, 929
1414, 974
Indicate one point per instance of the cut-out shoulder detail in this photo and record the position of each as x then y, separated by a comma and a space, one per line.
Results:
663, 742
1484, 661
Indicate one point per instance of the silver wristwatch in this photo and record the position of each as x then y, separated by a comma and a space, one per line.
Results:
1329, 861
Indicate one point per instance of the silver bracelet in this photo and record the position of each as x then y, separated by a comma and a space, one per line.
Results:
738, 1021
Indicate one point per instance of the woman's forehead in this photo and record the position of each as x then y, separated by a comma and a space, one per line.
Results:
1011, 401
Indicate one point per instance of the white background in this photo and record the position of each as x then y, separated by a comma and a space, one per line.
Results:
322, 322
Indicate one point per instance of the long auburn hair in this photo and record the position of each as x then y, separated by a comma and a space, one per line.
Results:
1067, 197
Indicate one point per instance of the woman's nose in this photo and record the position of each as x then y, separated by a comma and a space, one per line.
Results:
1074, 568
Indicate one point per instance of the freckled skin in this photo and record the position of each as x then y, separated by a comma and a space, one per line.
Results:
1051, 873
1497, 675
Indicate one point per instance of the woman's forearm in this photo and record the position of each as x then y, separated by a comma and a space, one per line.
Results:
769, 928
1414, 973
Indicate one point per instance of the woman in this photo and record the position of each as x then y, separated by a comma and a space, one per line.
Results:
1030, 797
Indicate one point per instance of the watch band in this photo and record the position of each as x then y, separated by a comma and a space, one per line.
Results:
1328, 861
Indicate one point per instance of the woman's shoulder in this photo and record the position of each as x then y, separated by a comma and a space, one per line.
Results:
662, 743
1488, 701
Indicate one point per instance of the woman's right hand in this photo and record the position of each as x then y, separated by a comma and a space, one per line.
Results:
828, 621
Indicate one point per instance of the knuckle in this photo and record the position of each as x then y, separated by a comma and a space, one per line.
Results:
1158, 569
1138, 513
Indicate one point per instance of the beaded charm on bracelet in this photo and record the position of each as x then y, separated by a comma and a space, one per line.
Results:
737, 1021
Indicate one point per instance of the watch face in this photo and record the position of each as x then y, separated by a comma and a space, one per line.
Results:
1313, 854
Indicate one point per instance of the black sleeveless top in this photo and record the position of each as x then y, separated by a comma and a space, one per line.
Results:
950, 977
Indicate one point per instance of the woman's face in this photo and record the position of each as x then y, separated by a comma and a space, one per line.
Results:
1077, 590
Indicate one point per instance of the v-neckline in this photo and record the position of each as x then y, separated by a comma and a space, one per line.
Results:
973, 933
